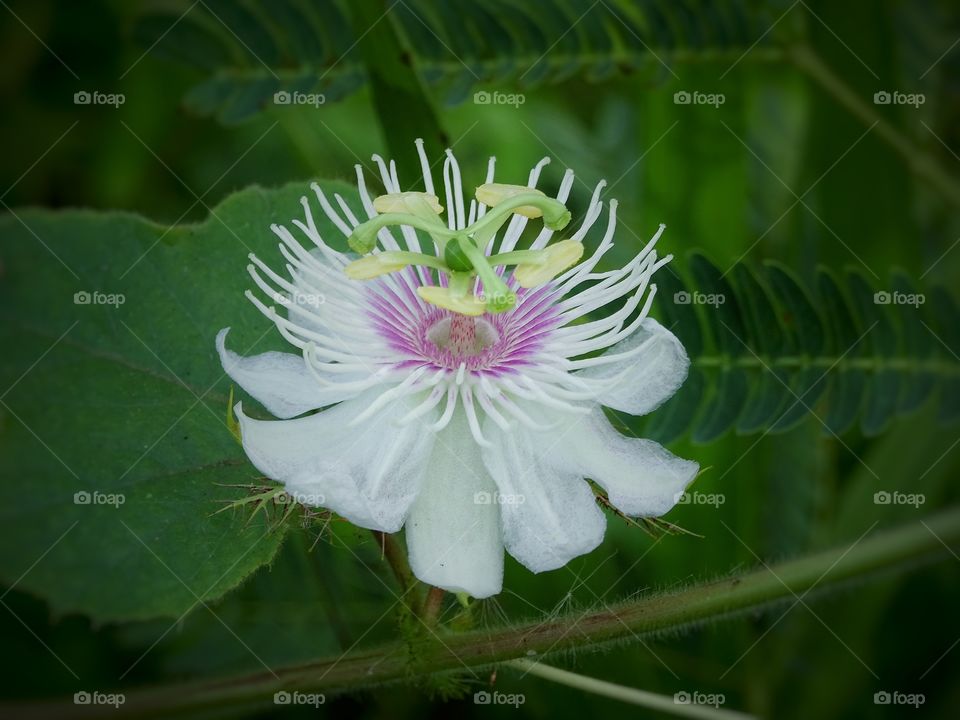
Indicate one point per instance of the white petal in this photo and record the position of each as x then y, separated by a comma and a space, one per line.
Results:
645, 380
279, 381
641, 477
369, 474
549, 512
452, 534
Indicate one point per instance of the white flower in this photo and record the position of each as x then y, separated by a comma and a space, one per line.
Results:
475, 428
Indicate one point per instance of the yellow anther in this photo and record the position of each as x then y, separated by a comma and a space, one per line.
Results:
492, 194
407, 202
559, 256
468, 304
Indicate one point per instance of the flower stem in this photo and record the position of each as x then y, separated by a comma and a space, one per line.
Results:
433, 605
653, 701
396, 557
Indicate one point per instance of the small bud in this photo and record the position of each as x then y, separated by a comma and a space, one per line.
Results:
407, 202
372, 266
559, 257
492, 194
468, 304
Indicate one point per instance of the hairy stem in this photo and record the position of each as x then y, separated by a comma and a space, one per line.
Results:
899, 548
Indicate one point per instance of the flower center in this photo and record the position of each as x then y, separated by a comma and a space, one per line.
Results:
463, 335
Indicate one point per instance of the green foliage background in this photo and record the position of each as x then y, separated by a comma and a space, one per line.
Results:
798, 198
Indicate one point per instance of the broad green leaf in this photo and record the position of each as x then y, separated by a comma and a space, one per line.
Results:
130, 400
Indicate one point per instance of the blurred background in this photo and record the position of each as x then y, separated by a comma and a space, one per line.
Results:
812, 133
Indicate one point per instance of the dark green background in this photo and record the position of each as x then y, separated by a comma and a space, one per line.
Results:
724, 180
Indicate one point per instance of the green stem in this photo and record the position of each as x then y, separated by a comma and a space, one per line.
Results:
555, 214
364, 237
661, 703
899, 548
414, 258
396, 556
499, 296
